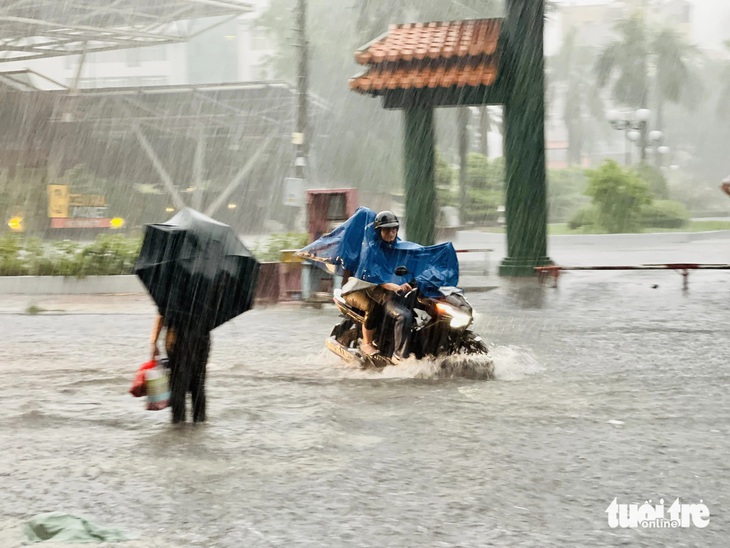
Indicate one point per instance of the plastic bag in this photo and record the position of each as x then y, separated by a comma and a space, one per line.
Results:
157, 387
138, 385
152, 380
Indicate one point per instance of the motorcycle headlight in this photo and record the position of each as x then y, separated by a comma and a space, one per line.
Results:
458, 318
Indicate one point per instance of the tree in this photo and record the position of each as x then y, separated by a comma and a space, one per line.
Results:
624, 61
569, 71
618, 196
674, 75
723, 103
625, 64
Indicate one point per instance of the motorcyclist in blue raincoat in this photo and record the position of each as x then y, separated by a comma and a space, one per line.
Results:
367, 247
383, 299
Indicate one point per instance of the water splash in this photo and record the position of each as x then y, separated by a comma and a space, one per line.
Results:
512, 363
475, 367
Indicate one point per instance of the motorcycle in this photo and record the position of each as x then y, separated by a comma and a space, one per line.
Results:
441, 328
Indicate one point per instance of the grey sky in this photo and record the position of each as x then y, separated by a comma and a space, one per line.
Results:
711, 21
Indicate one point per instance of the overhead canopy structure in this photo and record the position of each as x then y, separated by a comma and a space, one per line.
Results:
225, 140
418, 67
235, 110
36, 29
27, 80
421, 66
442, 56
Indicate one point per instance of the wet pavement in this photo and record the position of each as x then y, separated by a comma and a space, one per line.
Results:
606, 386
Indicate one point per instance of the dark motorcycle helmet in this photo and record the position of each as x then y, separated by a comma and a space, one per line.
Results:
386, 219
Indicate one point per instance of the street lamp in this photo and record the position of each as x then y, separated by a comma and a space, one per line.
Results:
663, 151
635, 125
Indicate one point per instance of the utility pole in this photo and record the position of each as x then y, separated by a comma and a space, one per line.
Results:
463, 120
301, 138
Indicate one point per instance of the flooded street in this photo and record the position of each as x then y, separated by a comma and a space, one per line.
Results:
606, 387
199, 156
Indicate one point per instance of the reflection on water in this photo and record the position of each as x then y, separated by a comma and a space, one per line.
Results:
603, 388
525, 293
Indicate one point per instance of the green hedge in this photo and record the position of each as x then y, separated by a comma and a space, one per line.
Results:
584, 218
108, 255
271, 249
664, 214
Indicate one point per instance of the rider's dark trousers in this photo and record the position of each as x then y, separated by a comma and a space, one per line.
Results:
379, 303
396, 309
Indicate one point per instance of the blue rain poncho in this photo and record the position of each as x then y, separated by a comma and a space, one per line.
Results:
355, 246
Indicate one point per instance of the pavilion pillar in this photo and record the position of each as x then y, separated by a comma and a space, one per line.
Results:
524, 139
420, 183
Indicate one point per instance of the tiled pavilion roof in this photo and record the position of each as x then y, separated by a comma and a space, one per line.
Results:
432, 55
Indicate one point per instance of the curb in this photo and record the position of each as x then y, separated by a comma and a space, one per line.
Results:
61, 285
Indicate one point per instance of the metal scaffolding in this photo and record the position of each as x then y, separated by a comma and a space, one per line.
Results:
37, 29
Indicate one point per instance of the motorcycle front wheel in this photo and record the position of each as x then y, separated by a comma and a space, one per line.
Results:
473, 344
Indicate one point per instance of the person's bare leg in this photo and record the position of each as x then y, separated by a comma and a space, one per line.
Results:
367, 342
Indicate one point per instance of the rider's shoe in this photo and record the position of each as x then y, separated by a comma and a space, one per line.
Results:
369, 350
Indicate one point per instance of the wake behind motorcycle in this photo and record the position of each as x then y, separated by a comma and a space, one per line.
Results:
441, 328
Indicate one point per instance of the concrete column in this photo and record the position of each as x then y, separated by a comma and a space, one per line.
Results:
524, 138
420, 184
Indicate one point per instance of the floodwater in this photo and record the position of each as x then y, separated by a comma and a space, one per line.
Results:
606, 386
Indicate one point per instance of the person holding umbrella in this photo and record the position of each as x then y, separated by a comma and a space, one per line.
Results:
200, 275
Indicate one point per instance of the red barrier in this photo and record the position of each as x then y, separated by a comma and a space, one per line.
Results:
681, 268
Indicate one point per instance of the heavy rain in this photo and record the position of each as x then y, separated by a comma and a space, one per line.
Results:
434, 273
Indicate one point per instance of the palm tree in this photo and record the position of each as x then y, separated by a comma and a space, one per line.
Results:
582, 102
624, 63
723, 104
636, 63
674, 75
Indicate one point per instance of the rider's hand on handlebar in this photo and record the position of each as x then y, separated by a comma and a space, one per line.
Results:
400, 289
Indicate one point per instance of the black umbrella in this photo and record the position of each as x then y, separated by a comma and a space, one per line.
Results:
197, 270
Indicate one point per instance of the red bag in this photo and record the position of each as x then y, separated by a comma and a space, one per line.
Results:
138, 385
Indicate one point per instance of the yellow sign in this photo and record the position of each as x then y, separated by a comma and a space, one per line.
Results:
87, 200
16, 224
58, 201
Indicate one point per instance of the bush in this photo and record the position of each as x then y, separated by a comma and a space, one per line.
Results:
664, 214
11, 262
586, 217
271, 250
618, 195
482, 205
655, 179
108, 255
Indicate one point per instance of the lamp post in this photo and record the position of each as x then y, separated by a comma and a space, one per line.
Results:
635, 124
662, 152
